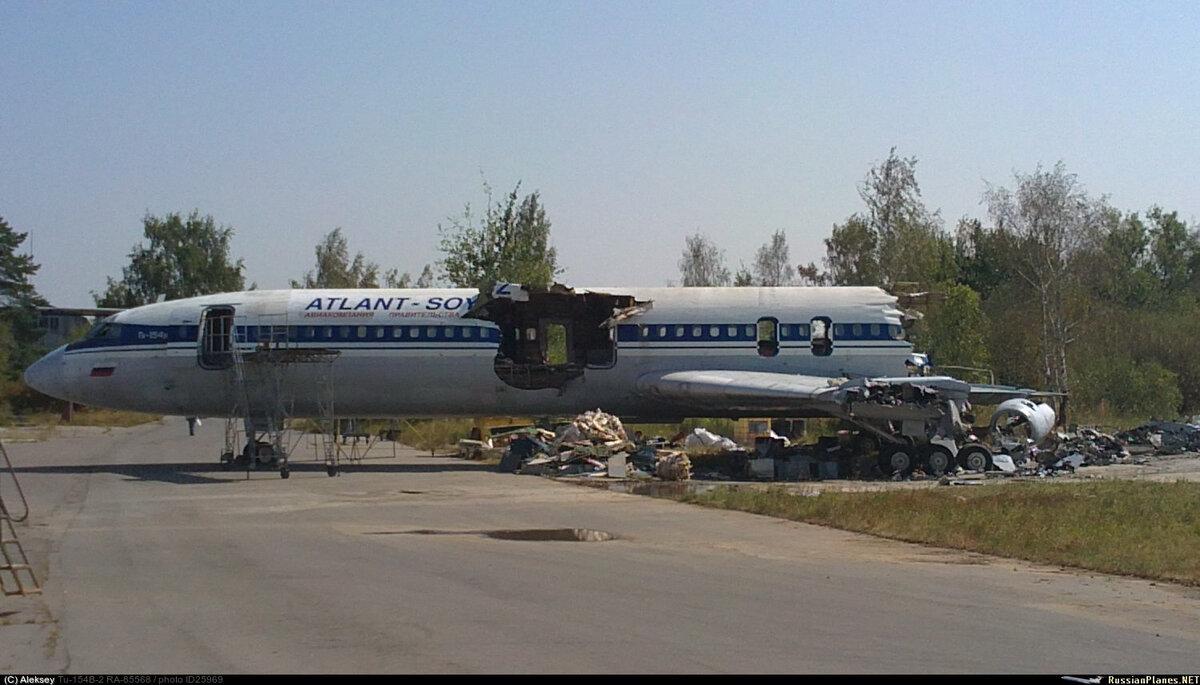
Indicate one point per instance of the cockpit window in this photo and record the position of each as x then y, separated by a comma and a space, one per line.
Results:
105, 330
100, 334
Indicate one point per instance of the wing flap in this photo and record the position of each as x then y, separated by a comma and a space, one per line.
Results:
740, 390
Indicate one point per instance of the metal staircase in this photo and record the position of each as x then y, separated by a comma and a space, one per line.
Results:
16, 575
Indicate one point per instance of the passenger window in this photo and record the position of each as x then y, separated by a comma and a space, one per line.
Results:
714, 331
679, 331
449, 331
856, 331
467, 332
662, 331
362, 331
732, 331
431, 332
697, 331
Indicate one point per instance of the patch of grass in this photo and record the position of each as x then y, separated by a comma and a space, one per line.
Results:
1136, 528
86, 416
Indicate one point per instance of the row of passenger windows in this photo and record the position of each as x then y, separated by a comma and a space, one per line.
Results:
382, 333
800, 331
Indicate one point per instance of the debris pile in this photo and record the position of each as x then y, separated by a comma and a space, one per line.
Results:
593, 444
673, 466
1088, 447
1164, 437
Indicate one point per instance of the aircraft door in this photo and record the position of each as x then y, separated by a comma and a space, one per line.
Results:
768, 336
821, 329
215, 347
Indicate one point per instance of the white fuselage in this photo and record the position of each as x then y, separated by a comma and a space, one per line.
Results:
413, 353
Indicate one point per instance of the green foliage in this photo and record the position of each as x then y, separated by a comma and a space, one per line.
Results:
1127, 387
184, 258
434, 434
335, 269
896, 240
952, 332
1054, 227
19, 334
511, 244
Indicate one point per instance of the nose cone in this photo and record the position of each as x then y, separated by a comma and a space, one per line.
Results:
46, 375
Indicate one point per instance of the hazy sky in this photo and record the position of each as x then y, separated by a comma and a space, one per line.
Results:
638, 122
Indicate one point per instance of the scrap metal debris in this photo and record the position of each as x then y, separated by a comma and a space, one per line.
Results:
1165, 437
594, 444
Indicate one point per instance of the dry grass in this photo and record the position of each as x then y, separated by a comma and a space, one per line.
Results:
1136, 528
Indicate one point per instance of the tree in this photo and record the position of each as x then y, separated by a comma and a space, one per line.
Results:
952, 332
335, 269
1051, 221
772, 265
742, 278
184, 258
19, 334
702, 263
425, 280
510, 244
896, 240
1174, 252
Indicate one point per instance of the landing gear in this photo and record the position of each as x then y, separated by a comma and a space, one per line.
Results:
975, 458
938, 459
331, 469
899, 458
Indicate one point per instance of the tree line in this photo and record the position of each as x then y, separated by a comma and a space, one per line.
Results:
1053, 289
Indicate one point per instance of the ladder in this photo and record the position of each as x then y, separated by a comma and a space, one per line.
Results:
16, 575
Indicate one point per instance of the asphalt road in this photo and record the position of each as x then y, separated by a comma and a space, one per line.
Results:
154, 560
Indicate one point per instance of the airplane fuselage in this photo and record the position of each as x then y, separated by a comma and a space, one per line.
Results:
451, 352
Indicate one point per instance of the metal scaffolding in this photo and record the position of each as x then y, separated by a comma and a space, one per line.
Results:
265, 376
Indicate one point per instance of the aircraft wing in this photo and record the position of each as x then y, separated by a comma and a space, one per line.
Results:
894, 398
995, 394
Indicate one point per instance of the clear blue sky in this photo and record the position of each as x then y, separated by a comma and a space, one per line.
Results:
638, 122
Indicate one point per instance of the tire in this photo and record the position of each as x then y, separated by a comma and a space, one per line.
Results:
938, 459
895, 458
264, 453
975, 458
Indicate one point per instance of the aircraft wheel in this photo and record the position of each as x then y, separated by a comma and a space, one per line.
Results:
975, 458
284, 473
331, 470
895, 458
939, 460
264, 453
